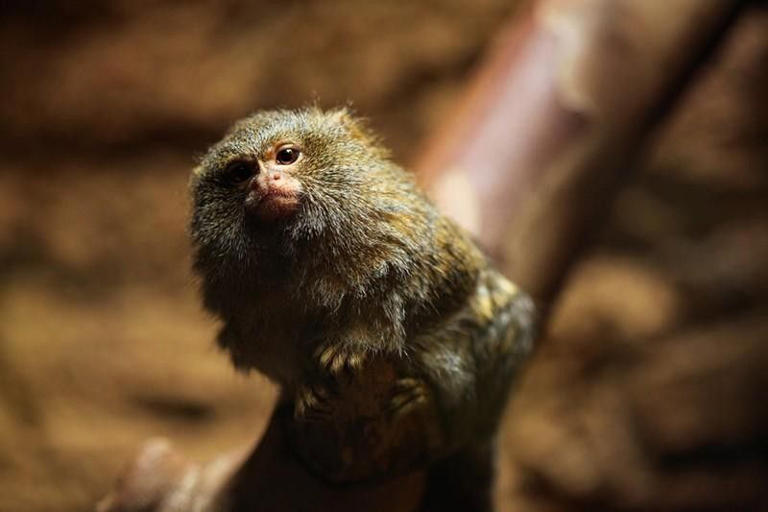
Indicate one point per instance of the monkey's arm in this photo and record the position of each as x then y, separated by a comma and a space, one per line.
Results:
370, 331
335, 366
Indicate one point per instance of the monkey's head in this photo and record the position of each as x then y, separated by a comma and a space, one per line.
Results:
295, 178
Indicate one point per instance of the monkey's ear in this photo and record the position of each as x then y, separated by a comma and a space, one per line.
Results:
341, 115
194, 178
345, 118
357, 129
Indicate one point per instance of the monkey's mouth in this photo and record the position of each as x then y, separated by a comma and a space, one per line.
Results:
273, 204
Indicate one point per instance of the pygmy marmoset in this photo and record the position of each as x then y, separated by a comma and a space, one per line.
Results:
321, 256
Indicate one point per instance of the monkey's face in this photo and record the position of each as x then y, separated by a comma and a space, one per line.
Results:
266, 182
296, 173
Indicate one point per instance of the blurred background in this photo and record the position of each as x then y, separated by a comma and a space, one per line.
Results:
633, 403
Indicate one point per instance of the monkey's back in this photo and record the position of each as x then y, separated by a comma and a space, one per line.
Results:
472, 358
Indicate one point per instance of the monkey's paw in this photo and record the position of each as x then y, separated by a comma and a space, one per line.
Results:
409, 394
338, 358
313, 403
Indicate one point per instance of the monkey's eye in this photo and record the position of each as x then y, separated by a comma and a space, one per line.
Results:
238, 172
287, 155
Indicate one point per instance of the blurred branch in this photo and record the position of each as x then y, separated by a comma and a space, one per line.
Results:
557, 117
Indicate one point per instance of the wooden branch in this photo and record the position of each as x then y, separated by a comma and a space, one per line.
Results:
555, 120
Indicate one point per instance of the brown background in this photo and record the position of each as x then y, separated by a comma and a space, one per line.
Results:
651, 389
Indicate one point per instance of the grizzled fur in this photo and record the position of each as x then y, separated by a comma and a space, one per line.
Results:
367, 267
